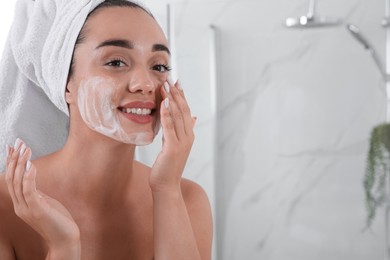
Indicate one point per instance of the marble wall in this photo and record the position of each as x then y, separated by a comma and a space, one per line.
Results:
294, 112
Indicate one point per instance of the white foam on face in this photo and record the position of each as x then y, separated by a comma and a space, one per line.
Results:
98, 101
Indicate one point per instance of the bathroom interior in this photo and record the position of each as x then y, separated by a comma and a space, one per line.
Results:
286, 93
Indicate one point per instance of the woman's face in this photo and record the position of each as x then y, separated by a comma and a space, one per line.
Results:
119, 70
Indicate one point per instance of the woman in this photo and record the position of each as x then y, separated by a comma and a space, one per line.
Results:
91, 199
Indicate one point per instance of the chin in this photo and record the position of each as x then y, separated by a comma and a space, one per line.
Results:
139, 139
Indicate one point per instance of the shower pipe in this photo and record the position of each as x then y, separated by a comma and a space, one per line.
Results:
356, 33
310, 20
385, 72
383, 69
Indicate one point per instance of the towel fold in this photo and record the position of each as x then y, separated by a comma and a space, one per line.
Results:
34, 70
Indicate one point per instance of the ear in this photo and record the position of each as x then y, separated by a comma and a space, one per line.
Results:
70, 92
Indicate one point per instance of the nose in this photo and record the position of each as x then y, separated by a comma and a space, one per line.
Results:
141, 81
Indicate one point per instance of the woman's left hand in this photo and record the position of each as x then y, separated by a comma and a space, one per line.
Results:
178, 137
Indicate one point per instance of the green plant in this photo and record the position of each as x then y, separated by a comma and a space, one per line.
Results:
377, 172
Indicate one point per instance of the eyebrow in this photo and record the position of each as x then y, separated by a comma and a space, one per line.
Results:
160, 47
130, 45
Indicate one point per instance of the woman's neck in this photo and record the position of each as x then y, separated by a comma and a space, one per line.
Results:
98, 173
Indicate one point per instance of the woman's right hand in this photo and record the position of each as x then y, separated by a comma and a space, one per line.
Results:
47, 216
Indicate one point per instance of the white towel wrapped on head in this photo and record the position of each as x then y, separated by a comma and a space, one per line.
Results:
34, 70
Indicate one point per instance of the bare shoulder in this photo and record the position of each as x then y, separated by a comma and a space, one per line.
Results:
6, 216
193, 194
197, 203
199, 212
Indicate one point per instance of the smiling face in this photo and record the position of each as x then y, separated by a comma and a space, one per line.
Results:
120, 67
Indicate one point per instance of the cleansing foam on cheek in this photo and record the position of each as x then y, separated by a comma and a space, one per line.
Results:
98, 108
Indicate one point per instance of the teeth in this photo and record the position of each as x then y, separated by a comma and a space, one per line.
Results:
137, 111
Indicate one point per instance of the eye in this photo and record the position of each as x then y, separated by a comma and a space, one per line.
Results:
161, 68
116, 63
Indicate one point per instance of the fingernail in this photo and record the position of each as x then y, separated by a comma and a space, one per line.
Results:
17, 144
170, 81
7, 148
166, 103
28, 165
178, 84
29, 154
167, 87
22, 149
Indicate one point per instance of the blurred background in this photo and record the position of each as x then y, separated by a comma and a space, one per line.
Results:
284, 121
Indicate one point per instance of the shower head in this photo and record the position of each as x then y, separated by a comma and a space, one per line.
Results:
355, 31
311, 22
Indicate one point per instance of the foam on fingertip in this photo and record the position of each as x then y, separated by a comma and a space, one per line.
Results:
28, 165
